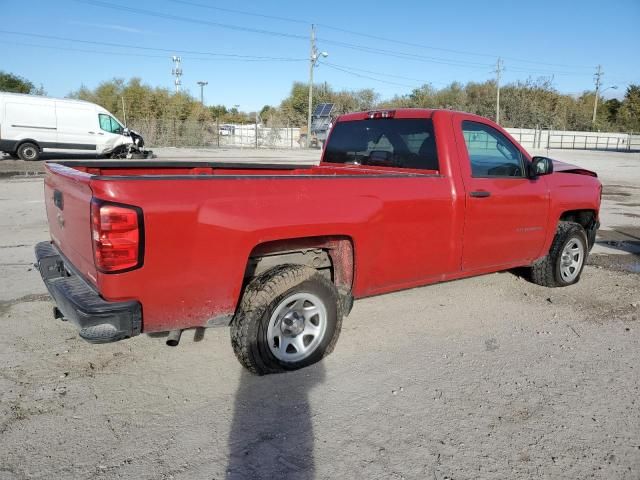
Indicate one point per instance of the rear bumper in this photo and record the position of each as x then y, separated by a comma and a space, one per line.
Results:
99, 321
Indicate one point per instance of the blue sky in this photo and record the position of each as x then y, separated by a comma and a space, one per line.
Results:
435, 42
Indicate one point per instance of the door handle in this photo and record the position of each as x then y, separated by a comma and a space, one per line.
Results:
480, 194
92, 133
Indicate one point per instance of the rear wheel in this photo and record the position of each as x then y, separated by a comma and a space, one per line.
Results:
29, 152
289, 318
564, 263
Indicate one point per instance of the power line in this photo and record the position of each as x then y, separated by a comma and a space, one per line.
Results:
406, 55
382, 74
355, 74
156, 49
134, 54
241, 12
371, 36
362, 48
167, 16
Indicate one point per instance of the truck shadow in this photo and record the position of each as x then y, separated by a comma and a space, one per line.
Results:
271, 433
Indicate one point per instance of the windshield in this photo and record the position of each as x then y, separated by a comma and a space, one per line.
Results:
389, 142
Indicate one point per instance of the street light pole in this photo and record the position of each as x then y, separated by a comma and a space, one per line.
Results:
202, 85
595, 105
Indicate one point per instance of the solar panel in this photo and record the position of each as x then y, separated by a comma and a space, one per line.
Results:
327, 109
323, 110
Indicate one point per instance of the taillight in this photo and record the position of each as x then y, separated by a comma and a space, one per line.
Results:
382, 114
117, 234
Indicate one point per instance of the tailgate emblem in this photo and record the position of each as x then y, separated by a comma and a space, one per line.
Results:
60, 220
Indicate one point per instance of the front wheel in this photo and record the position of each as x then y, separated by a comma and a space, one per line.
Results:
563, 264
289, 318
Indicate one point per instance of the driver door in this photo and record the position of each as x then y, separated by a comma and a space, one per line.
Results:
109, 136
506, 212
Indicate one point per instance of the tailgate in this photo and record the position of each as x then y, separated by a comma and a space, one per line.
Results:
67, 196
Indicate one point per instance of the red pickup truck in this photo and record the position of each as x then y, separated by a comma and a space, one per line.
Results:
402, 198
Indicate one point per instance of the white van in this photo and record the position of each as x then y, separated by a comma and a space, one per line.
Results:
30, 125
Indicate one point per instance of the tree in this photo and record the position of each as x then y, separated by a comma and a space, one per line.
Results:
16, 84
218, 111
629, 113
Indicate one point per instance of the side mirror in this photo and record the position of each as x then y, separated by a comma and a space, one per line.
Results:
126, 132
540, 166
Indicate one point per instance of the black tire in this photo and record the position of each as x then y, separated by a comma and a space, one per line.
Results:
547, 270
118, 153
29, 152
261, 298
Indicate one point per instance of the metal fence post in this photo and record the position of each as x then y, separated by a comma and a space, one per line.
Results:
540, 136
548, 139
175, 133
256, 133
534, 136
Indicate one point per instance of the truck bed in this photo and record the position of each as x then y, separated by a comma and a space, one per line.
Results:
135, 168
204, 220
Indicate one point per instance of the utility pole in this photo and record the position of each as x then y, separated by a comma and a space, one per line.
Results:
598, 79
176, 71
124, 111
498, 71
202, 85
313, 61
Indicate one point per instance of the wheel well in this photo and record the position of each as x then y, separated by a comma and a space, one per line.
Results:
27, 140
583, 217
332, 256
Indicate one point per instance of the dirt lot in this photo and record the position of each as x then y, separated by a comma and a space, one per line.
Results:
490, 377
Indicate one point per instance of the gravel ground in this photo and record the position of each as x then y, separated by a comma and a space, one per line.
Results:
490, 377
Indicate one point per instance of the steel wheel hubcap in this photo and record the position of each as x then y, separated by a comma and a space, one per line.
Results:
571, 260
29, 152
297, 327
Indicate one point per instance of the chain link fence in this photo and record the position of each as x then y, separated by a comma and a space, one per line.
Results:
193, 133
212, 134
559, 139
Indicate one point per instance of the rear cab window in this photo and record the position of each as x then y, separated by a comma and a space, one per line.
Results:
384, 142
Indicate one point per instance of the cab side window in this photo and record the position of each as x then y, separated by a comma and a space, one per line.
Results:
491, 153
109, 124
